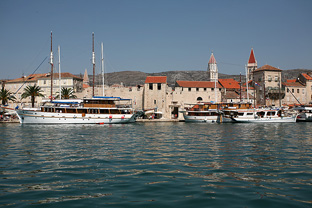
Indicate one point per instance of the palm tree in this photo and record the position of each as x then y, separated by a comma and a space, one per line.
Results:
32, 91
67, 93
5, 96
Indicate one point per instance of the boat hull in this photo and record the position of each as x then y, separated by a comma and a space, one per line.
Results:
200, 119
266, 120
37, 117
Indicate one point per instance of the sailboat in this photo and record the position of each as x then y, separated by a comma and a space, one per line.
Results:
95, 110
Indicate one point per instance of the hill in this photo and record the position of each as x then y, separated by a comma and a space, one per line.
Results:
133, 78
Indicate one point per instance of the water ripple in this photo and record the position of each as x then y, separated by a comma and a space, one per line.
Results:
156, 165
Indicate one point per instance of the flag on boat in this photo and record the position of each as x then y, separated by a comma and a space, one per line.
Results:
257, 84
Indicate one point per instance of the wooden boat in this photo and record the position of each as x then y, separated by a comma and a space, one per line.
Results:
304, 113
211, 112
96, 110
263, 115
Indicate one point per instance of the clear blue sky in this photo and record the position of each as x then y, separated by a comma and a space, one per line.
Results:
154, 36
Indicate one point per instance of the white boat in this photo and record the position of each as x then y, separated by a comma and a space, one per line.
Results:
304, 113
263, 116
96, 110
201, 112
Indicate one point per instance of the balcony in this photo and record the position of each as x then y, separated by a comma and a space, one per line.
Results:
275, 93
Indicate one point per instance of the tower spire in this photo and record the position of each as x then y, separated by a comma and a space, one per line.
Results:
251, 65
212, 68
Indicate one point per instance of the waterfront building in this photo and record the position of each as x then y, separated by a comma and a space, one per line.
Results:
18, 85
295, 93
68, 80
268, 86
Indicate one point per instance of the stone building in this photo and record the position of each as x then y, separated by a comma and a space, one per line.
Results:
44, 82
268, 86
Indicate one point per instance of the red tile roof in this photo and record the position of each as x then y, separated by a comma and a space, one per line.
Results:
197, 84
156, 79
293, 84
291, 80
85, 85
63, 75
267, 68
252, 58
229, 83
29, 78
307, 76
35, 77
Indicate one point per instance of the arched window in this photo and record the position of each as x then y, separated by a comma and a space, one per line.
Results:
199, 99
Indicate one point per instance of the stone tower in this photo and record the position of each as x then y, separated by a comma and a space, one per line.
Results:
86, 78
252, 65
212, 68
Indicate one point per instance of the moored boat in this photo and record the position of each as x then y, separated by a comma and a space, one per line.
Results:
304, 113
263, 116
96, 110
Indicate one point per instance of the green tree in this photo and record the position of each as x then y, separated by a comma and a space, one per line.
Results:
5, 96
32, 92
67, 93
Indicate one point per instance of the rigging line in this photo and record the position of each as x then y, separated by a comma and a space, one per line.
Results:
31, 75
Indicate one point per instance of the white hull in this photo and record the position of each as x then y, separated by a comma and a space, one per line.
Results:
37, 117
200, 119
266, 120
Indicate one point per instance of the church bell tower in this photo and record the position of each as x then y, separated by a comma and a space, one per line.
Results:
212, 68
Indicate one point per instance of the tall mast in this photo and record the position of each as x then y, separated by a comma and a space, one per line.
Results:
240, 87
59, 64
51, 62
102, 68
93, 63
247, 84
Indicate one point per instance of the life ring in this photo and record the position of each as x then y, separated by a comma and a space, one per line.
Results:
51, 97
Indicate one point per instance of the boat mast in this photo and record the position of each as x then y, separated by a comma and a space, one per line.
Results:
247, 84
59, 64
93, 63
102, 68
240, 87
51, 62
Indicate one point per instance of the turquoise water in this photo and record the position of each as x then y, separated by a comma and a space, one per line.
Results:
156, 165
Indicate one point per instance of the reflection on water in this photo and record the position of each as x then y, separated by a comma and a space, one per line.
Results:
156, 164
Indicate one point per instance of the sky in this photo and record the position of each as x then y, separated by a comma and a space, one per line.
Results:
153, 36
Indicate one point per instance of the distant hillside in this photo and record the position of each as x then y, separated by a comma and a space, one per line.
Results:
133, 78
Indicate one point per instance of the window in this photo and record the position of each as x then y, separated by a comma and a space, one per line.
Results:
159, 86
199, 99
212, 89
287, 89
302, 91
44, 82
205, 89
189, 89
220, 89
297, 90
276, 78
155, 102
292, 90
197, 89
151, 86
269, 78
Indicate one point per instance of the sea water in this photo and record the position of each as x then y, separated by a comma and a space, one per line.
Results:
156, 165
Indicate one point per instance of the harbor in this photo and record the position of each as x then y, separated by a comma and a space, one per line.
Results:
160, 164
